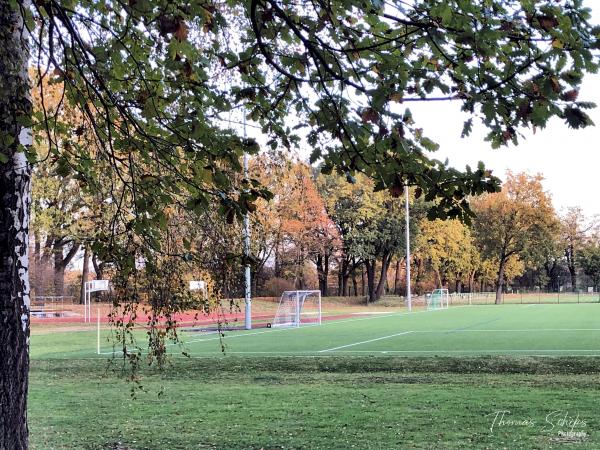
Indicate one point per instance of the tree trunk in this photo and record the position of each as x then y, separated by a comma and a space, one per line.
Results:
371, 294
362, 280
385, 263
60, 264
84, 274
342, 269
500, 280
354, 282
15, 202
322, 263
59, 271
325, 291
458, 284
570, 256
98, 268
472, 281
345, 285
438, 278
551, 274
397, 276
278, 269
573, 274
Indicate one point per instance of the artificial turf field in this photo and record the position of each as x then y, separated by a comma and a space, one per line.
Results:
432, 379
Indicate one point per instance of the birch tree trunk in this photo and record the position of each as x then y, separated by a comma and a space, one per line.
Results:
15, 200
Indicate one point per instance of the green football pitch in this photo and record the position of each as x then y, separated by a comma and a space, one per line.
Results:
484, 377
560, 330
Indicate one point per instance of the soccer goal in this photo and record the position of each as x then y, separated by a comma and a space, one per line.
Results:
298, 308
438, 299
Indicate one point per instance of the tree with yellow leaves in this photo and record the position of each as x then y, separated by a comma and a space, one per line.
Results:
514, 223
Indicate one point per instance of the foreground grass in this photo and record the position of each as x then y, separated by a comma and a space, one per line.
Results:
326, 403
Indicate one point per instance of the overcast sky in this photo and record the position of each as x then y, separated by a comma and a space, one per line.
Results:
568, 159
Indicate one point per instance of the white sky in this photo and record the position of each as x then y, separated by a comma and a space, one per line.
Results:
569, 159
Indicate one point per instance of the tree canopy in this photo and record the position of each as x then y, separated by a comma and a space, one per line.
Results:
157, 78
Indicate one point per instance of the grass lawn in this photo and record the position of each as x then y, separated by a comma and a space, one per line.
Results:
424, 380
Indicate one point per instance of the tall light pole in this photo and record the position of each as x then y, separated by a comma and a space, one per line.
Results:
407, 218
247, 283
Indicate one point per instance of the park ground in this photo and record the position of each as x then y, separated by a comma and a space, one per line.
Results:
495, 376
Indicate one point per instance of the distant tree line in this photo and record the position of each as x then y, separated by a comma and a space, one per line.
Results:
339, 235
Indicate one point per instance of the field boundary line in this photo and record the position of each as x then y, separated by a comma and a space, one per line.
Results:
506, 330
472, 351
365, 342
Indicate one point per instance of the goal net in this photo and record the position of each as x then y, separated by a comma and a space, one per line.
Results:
438, 299
298, 308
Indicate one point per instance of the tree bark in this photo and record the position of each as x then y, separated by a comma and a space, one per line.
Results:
59, 271
84, 274
458, 286
60, 264
500, 280
278, 269
346, 285
98, 267
570, 256
15, 203
385, 264
551, 274
34, 272
325, 290
371, 294
397, 276
354, 282
573, 274
472, 281
362, 280
342, 269
322, 263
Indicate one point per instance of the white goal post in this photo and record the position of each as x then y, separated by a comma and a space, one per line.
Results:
298, 308
438, 299
89, 287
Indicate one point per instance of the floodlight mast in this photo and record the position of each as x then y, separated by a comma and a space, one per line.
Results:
407, 218
247, 283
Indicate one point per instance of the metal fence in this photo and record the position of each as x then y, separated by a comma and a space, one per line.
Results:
539, 297
51, 303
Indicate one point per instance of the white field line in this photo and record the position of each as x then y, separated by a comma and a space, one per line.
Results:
365, 342
525, 330
208, 355
470, 351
